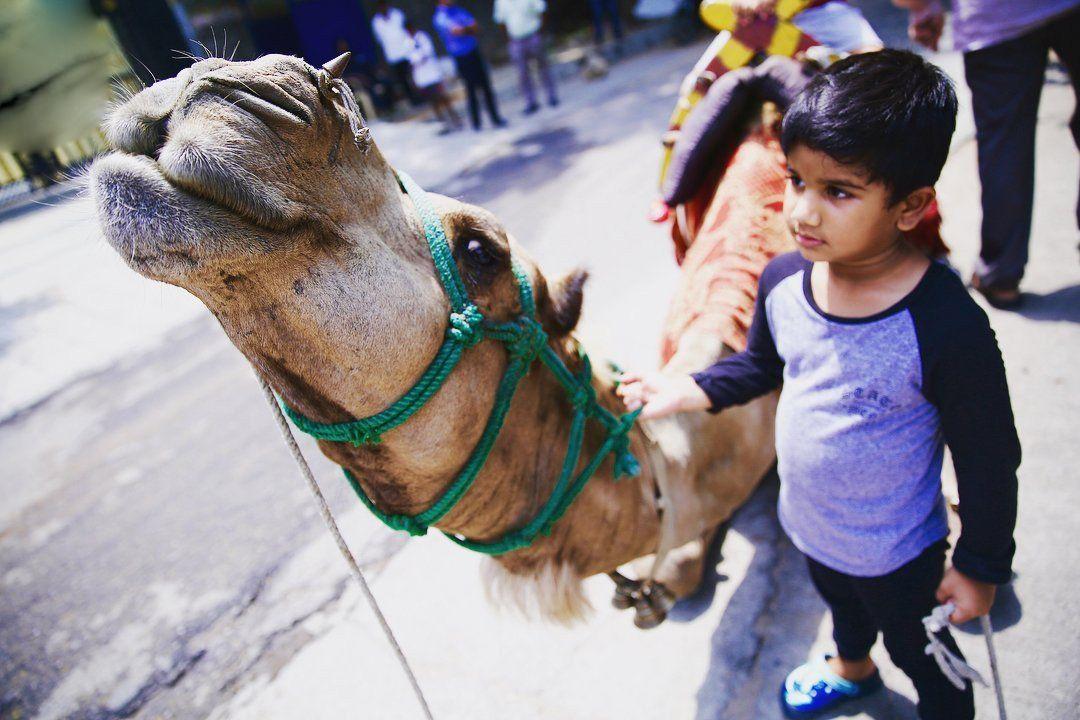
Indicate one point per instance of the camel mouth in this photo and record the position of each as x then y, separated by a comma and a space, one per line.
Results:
198, 167
148, 220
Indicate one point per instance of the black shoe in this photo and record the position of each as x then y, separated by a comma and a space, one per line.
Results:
553, 102
530, 109
1000, 295
500, 123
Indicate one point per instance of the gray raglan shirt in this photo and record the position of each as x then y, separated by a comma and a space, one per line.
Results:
866, 409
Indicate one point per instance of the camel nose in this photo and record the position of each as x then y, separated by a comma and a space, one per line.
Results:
138, 126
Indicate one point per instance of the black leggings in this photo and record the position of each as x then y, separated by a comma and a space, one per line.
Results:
895, 604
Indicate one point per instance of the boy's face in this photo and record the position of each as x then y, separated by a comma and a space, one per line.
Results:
834, 213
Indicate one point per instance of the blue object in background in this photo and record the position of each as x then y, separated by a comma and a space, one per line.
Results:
322, 24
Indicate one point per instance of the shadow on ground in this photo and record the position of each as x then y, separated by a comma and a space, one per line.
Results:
530, 160
11, 314
1062, 304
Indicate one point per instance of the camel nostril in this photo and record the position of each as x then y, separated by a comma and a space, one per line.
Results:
139, 126
135, 133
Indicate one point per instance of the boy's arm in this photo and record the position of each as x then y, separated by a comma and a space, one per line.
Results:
739, 378
964, 377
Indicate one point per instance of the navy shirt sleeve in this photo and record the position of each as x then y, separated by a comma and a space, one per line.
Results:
964, 378
758, 370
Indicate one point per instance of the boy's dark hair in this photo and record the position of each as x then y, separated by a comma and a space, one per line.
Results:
890, 112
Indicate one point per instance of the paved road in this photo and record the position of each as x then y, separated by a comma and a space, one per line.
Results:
159, 558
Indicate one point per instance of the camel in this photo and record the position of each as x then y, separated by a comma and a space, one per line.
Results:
257, 188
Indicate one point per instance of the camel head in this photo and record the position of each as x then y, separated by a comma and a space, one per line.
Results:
229, 162
228, 176
256, 187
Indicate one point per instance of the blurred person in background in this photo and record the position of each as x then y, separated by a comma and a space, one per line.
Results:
389, 26
458, 29
599, 9
523, 20
427, 75
1005, 46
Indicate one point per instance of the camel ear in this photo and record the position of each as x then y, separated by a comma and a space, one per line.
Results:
336, 67
560, 306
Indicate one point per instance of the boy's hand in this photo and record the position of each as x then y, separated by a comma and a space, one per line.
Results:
972, 598
661, 394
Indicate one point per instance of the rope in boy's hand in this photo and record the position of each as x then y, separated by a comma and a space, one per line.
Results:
952, 666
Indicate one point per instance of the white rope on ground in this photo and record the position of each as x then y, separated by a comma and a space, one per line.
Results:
954, 668
328, 518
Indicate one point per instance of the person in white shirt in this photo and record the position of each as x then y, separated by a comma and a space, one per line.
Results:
427, 75
523, 20
389, 26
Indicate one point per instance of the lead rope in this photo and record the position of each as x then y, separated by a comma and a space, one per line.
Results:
953, 667
328, 518
988, 633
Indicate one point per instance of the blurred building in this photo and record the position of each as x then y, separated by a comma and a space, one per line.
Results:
60, 66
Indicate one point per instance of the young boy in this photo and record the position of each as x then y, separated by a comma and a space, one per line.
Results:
884, 359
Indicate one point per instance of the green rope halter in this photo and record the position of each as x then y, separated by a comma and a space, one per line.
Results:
525, 342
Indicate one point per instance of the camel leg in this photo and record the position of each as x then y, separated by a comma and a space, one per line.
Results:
678, 576
682, 570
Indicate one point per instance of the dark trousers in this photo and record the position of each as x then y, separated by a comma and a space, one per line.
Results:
1006, 81
473, 72
525, 51
403, 86
600, 8
895, 604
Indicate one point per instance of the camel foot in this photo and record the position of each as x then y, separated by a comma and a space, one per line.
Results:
651, 606
650, 600
625, 591
622, 600
683, 569
646, 618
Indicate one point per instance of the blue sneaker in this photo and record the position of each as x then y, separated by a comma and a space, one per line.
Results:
813, 688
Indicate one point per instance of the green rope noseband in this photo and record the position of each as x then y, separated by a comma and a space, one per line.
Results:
525, 341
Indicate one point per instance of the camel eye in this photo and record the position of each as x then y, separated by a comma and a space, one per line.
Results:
478, 253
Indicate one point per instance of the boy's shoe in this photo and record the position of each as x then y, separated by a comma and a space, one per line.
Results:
813, 688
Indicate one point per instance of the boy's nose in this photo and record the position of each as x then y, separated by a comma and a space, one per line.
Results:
804, 211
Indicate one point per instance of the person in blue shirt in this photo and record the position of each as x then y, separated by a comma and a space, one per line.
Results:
883, 359
458, 28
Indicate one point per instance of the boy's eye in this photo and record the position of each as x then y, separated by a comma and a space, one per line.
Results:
838, 193
794, 179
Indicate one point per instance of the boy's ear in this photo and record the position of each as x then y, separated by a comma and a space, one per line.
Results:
913, 207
